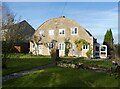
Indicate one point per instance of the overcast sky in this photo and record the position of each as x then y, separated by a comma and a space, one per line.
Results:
96, 17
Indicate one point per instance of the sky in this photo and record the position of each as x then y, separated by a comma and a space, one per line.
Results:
96, 17
60, 0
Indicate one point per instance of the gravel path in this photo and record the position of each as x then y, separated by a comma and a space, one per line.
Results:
22, 73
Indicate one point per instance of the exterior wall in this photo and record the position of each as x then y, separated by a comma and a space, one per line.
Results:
45, 51
31, 48
63, 23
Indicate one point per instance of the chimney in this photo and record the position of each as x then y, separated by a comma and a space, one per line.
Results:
62, 17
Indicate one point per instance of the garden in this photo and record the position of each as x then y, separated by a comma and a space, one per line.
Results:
57, 76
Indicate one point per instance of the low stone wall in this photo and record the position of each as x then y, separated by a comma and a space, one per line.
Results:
66, 65
79, 65
83, 66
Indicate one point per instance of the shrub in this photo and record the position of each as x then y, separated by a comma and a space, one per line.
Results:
68, 46
89, 53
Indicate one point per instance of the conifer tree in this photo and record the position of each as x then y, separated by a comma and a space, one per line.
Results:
108, 40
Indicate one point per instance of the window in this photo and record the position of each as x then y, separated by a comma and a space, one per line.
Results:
50, 45
51, 32
103, 53
97, 48
33, 45
96, 53
61, 31
74, 31
103, 48
85, 46
41, 32
61, 46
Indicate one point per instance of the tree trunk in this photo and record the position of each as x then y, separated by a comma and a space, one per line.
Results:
4, 65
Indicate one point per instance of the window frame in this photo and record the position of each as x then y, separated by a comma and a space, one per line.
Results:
33, 45
41, 32
60, 30
51, 32
73, 31
50, 45
103, 48
85, 47
61, 46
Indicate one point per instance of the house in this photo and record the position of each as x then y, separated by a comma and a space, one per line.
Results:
100, 51
21, 34
59, 29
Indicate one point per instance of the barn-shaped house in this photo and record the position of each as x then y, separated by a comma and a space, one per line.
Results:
59, 29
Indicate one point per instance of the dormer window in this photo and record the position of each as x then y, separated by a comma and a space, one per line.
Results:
74, 31
61, 31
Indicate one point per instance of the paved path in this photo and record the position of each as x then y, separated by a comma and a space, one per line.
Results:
22, 73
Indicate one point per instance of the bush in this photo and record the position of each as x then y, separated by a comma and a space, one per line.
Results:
89, 53
68, 46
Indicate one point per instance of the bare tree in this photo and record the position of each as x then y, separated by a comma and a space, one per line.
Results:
35, 40
8, 30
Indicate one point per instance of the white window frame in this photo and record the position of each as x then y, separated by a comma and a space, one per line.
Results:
51, 32
41, 32
50, 45
61, 46
86, 47
33, 45
73, 31
60, 30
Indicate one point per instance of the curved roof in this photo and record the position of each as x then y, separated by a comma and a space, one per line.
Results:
58, 19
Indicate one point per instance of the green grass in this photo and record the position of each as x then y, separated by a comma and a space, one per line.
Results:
19, 62
64, 77
105, 64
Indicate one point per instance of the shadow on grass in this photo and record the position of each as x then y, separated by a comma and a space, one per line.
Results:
63, 77
20, 64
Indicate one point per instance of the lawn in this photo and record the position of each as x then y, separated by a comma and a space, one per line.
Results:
64, 77
19, 62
